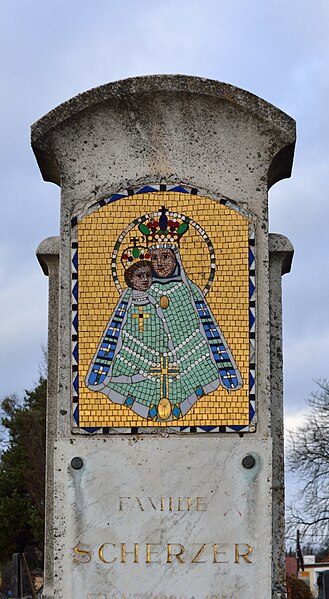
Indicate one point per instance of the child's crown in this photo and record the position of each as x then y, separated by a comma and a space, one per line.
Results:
134, 254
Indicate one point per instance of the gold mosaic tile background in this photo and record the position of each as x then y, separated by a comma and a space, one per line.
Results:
228, 298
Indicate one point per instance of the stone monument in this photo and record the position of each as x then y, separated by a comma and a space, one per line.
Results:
164, 425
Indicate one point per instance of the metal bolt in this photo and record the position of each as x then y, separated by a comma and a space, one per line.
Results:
248, 462
77, 463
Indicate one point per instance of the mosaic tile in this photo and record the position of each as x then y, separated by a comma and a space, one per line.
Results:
179, 351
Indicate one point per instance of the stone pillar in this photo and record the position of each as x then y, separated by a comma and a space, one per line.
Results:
281, 254
165, 436
48, 256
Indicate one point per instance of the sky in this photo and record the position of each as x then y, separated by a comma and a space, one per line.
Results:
52, 50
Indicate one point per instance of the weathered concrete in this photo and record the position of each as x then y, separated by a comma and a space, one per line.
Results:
281, 254
48, 256
224, 141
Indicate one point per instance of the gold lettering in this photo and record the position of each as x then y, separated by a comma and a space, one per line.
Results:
170, 504
244, 555
188, 504
170, 554
85, 555
195, 559
179, 504
120, 503
124, 553
200, 504
101, 554
216, 553
162, 504
148, 551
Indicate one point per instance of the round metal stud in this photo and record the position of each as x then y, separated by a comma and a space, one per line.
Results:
248, 462
77, 463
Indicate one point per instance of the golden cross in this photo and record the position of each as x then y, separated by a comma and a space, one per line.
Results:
141, 317
164, 370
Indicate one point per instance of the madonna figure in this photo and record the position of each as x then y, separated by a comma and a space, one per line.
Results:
162, 349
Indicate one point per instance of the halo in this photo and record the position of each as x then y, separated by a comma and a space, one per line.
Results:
142, 219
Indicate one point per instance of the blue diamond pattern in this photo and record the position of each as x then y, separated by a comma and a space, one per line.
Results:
75, 353
76, 415
75, 260
251, 288
180, 189
75, 322
146, 189
76, 384
251, 381
75, 291
251, 257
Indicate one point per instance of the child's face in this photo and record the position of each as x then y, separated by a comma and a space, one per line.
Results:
141, 278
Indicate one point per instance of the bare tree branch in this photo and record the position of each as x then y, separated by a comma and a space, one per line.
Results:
308, 459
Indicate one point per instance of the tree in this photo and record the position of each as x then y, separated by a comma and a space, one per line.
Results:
297, 589
308, 458
22, 472
322, 552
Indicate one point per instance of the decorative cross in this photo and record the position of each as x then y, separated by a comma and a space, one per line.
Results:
101, 371
105, 349
141, 317
212, 330
134, 240
114, 328
203, 310
229, 378
121, 310
221, 350
164, 370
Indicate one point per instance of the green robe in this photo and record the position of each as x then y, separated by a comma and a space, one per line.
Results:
148, 353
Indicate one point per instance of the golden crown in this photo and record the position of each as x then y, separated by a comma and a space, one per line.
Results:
163, 230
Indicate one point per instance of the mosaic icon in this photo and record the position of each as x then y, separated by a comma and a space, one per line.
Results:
162, 348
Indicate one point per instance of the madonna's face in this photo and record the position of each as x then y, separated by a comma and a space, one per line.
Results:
163, 262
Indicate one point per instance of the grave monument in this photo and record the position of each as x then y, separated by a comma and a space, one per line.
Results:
164, 417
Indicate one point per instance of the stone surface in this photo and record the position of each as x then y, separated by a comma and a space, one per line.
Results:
133, 131
112, 499
223, 141
281, 254
48, 256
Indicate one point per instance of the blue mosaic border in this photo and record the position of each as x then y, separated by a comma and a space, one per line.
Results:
74, 331
251, 427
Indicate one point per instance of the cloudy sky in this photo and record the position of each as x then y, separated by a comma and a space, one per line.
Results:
53, 49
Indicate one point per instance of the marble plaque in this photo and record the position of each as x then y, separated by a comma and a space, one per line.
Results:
164, 516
